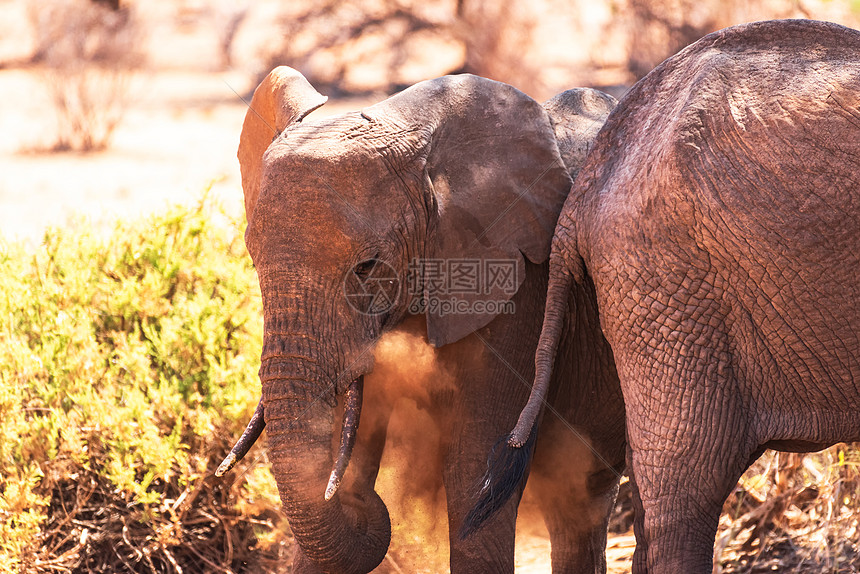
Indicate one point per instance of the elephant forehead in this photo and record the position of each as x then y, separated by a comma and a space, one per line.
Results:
301, 232
339, 191
324, 165
301, 220
323, 156
349, 138
320, 208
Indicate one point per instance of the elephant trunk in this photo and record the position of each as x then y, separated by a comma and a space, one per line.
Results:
348, 532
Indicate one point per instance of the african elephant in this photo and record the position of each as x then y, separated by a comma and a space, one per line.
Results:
718, 217
341, 212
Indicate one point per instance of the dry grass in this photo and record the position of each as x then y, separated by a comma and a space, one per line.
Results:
794, 513
199, 528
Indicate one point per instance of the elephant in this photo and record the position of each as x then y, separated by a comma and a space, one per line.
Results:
717, 218
349, 220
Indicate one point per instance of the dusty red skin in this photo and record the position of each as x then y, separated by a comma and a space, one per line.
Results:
458, 168
717, 217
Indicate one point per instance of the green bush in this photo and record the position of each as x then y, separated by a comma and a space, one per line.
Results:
128, 365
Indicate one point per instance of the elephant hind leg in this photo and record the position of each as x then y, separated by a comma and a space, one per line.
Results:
576, 492
685, 464
640, 554
578, 529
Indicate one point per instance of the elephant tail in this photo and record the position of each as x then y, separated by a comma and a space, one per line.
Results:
560, 281
508, 463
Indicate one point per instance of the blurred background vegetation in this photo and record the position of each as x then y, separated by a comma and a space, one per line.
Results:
129, 347
87, 48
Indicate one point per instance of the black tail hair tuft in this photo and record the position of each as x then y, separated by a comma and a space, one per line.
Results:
507, 467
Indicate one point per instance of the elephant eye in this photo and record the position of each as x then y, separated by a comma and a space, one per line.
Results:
364, 269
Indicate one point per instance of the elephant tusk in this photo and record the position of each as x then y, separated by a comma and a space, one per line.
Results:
351, 416
246, 441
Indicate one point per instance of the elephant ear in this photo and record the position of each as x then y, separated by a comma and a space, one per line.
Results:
282, 98
577, 115
495, 183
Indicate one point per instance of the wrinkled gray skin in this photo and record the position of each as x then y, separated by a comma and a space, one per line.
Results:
454, 168
718, 218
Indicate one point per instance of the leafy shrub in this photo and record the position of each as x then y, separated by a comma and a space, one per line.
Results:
127, 368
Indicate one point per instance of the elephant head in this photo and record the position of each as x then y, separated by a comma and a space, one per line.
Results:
339, 210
